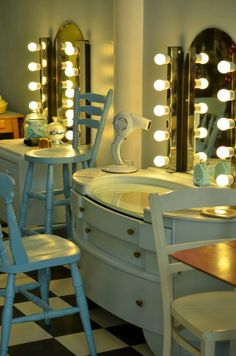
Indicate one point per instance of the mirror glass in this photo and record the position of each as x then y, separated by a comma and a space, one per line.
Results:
203, 83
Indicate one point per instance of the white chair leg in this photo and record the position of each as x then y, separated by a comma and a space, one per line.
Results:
232, 348
208, 348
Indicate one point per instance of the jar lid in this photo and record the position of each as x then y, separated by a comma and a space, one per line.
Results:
35, 116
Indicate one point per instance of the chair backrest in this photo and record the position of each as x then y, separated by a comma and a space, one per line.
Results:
91, 110
173, 201
16, 253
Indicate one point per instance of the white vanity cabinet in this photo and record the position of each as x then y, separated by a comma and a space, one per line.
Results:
12, 162
118, 260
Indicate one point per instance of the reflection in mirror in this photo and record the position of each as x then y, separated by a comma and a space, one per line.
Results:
72, 68
204, 106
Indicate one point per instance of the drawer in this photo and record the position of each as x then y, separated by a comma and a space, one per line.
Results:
5, 125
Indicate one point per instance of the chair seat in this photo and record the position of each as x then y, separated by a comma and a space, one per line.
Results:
207, 313
57, 154
43, 250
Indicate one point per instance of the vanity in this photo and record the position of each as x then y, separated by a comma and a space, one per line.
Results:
112, 226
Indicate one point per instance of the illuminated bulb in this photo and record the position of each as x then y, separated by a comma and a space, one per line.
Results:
44, 63
34, 66
201, 156
67, 84
44, 80
70, 115
226, 67
69, 93
201, 83
161, 59
33, 47
224, 180
202, 58
43, 98
200, 108
66, 64
224, 152
69, 135
43, 45
71, 72
34, 86
225, 95
201, 132
68, 103
225, 124
69, 49
161, 85
35, 105
160, 135
161, 161
161, 110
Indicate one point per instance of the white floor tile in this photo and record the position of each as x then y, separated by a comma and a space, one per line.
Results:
62, 286
143, 349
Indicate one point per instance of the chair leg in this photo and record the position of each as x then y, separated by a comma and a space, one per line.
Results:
82, 303
25, 197
66, 188
49, 200
7, 314
44, 276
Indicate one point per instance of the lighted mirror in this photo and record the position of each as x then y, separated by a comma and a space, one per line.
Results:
209, 96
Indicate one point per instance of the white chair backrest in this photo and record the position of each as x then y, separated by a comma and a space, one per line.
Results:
17, 251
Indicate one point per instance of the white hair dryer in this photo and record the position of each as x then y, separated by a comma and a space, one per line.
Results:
124, 124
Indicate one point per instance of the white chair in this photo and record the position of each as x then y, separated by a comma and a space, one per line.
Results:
208, 316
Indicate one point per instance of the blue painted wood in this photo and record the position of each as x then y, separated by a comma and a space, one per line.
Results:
36, 253
85, 104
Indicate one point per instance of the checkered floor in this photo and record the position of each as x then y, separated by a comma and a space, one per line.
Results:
113, 336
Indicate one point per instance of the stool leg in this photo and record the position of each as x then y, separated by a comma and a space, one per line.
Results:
44, 276
66, 188
49, 200
25, 197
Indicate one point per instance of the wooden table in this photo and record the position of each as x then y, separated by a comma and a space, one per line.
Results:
11, 123
217, 259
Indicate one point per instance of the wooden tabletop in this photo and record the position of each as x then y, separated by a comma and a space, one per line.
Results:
217, 260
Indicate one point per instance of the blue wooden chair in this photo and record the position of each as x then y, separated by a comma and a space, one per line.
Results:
36, 253
96, 107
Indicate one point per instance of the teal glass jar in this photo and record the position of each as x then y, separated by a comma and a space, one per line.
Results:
35, 126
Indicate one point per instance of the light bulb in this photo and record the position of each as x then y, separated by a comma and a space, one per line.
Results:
34, 86
69, 93
66, 64
225, 95
67, 84
69, 135
69, 115
44, 98
71, 72
160, 135
68, 103
161, 85
43, 45
201, 83
201, 132
224, 180
161, 161
34, 66
200, 108
224, 152
161, 59
226, 67
200, 157
202, 58
44, 63
225, 124
161, 110
44, 80
70, 51
35, 105
34, 47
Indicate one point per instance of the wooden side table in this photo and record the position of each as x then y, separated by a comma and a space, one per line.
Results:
11, 123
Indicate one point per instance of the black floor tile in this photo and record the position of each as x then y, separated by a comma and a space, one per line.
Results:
128, 351
130, 334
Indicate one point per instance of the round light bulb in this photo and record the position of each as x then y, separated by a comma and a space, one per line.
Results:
35, 105
34, 66
160, 135
202, 58
69, 135
69, 93
224, 180
226, 67
201, 132
161, 110
44, 63
161, 161
33, 47
225, 124
44, 80
200, 108
161, 59
200, 157
161, 85
201, 83
224, 152
226, 95
34, 86
68, 103
71, 72
67, 84
66, 64
69, 115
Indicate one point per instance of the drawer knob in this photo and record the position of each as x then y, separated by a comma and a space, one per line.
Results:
130, 231
87, 230
137, 254
139, 303
81, 209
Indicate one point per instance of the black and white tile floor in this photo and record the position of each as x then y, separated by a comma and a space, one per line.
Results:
113, 336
